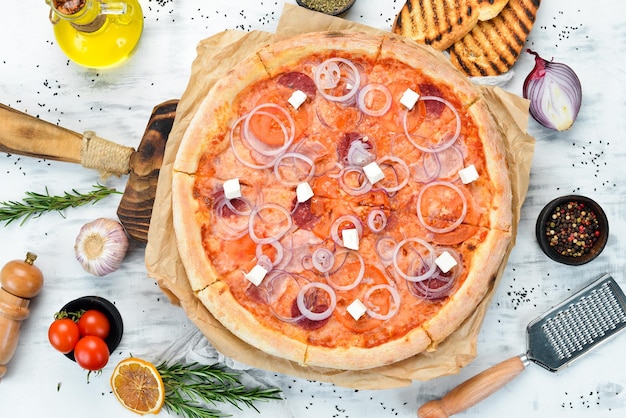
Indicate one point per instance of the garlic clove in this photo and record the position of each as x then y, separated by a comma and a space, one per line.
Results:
101, 246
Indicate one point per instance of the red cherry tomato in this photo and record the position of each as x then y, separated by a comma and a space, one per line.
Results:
94, 322
63, 334
91, 353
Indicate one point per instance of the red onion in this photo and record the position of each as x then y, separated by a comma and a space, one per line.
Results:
306, 311
393, 309
554, 92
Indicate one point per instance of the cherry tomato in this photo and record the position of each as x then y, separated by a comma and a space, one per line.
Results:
63, 334
94, 322
91, 353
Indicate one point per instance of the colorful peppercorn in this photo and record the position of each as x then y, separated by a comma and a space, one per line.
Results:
572, 229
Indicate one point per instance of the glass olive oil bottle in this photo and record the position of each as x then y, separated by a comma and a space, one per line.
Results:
97, 33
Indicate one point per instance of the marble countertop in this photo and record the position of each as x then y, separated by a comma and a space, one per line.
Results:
36, 78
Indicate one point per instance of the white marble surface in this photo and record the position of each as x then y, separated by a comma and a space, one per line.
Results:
35, 77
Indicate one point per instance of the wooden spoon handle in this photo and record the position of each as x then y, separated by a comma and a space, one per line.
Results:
474, 390
27, 135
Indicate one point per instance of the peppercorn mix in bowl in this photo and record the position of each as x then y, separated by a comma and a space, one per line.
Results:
572, 229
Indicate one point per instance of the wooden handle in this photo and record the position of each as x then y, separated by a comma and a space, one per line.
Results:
27, 135
474, 390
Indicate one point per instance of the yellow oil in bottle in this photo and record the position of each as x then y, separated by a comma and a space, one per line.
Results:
97, 33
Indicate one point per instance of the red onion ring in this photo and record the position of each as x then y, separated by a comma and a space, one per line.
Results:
385, 248
456, 223
294, 155
277, 235
239, 157
376, 220
334, 229
232, 232
374, 87
447, 141
359, 154
257, 144
362, 188
322, 72
316, 316
271, 284
280, 253
399, 162
394, 307
323, 260
429, 264
357, 279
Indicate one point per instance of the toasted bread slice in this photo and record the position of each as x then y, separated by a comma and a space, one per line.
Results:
438, 23
492, 47
488, 9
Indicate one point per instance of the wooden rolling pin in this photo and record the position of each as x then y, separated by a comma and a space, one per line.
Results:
21, 281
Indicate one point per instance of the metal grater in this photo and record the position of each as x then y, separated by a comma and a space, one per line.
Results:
580, 323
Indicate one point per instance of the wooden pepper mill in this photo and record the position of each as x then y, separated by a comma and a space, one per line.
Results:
20, 281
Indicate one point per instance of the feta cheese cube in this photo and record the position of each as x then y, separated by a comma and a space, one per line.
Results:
297, 98
256, 275
373, 172
357, 309
304, 192
232, 189
468, 174
445, 262
409, 98
350, 238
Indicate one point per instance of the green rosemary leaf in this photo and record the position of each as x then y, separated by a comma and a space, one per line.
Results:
36, 204
188, 388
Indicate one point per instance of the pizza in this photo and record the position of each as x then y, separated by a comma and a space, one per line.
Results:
342, 200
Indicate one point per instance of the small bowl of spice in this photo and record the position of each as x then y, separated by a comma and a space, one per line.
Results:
329, 7
572, 229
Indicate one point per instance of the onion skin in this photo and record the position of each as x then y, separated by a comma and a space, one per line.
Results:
555, 93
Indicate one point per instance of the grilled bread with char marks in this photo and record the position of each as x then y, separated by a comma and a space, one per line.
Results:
488, 9
492, 46
438, 23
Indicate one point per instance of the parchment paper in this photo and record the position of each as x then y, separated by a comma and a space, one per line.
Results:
215, 56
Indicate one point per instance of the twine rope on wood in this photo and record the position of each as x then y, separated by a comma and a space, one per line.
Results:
105, 156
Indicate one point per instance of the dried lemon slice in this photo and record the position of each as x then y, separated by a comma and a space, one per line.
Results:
138, 386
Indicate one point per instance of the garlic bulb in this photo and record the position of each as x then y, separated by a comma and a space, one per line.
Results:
101, 246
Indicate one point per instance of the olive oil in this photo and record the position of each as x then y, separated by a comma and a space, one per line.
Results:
97, 33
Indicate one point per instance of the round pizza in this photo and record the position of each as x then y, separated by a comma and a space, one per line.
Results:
342, 200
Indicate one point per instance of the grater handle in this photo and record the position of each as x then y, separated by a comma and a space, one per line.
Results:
474, 390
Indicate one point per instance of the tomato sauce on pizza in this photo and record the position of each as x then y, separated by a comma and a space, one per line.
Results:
342, 200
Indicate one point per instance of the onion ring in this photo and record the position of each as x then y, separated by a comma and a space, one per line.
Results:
395, 295
374, 87
323, 260
356, 281
456, 223
309, 314
429, 264
322, 76
447, 141
288, 133
277, 235
400, 162
363, 188
334, 229
294, 155
376, 220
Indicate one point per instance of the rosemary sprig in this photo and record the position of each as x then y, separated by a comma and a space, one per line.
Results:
188, 388
36, 204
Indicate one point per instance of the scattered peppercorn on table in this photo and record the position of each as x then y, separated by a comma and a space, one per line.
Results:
586, 160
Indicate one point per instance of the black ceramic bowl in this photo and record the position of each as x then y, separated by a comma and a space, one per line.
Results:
330, 7
107, 308
600, 224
